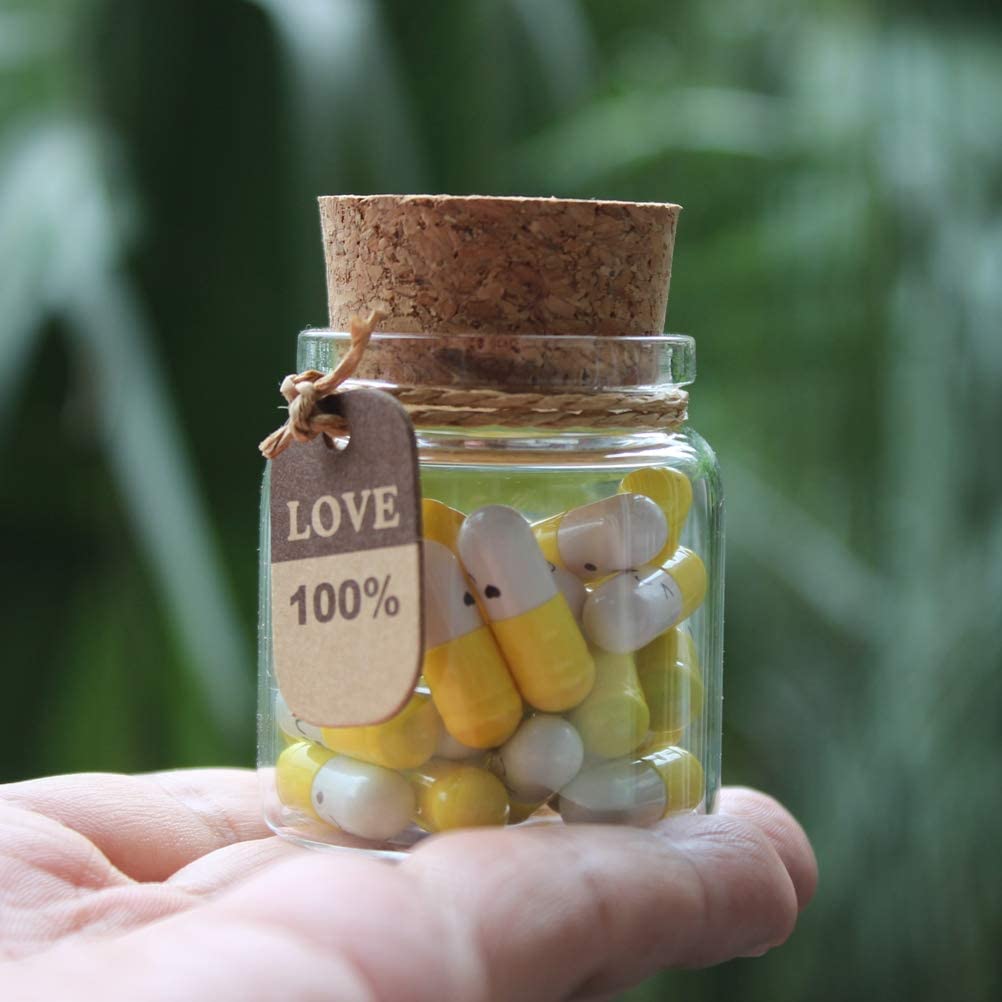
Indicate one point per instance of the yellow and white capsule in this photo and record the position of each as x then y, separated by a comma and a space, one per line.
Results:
356, 797
613, 719
540, 758
637, 792
457, 795
469, 680
291, 726
530, 619
629, 610
671, 491
598, 539
668, 669
405, 741
572, 588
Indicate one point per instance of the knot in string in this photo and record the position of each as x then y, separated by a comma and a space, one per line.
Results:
305, 390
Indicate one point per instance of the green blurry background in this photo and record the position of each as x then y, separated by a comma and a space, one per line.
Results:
839, 262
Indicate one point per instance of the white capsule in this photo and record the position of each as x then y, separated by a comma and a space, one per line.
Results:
629, 610
448, 747
619, 792
541, 757
615, 534
362, 799
290, 724
572, 588
450, 610
502, 559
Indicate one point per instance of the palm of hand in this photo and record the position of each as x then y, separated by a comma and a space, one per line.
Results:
169, 886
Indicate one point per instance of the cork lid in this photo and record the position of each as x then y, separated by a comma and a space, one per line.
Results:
448, 264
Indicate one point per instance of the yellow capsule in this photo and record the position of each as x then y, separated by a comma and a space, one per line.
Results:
682, 774
402, 742
668, 669
469, 680
294, 772
528, 616
628, 611
613, 718
637, 792
457, 795
357, 797
597, 539
671, 491
522, 810
656, 741
441, 523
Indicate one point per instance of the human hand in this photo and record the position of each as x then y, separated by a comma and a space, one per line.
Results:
170, 887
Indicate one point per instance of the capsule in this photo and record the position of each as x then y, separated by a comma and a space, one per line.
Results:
629, 610
542, 756
356, 797
530, 619
656, 741
457, 795
291, 726
671, 491
668, 669
598, 539
469, 680
402, 742
522, 810
613, 719
637, 792
448, 747
572, 588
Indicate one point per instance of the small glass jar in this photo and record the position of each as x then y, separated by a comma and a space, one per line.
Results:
573, 599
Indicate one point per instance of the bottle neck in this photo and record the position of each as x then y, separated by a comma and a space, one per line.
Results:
544, 388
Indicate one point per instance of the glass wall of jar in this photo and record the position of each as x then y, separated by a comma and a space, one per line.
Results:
573, 599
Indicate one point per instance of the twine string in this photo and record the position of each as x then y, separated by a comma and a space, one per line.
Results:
305, 390
437, 406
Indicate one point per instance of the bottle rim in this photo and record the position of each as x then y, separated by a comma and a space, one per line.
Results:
550, 362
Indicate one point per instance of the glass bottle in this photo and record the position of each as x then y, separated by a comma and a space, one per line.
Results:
573, 590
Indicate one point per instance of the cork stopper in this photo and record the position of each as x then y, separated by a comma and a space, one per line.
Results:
447, 265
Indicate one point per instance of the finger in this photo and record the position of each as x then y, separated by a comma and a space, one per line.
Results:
543, 913
788, 838
589, 910
150, 826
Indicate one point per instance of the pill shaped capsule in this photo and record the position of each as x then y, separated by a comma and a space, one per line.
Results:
598, 539
291, 726
457, 795
572, 588
463, 667
656, 741
356, 797
530, 619
629, 610
405, 741
448, 747
613, 718
540, 758
668, 669
671, 491
637, 792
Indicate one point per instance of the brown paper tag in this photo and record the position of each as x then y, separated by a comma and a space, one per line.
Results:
346, 567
